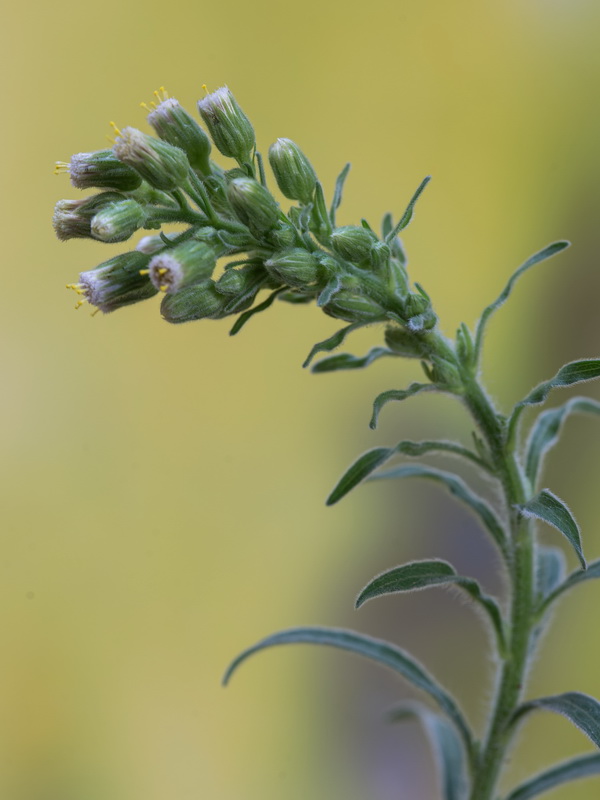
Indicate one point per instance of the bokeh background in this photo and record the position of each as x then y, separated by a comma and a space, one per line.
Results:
163, 487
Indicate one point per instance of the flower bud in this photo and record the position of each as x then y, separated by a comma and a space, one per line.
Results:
353, 243
118, 221
354, 307
101, 170
380, 256
72, 218
420, 316
174, 125
153, 244
186, 263
229, 127
283, 236
253, 204
200, 301
294, 267
159, 163
118, 282
404, 343
293, 171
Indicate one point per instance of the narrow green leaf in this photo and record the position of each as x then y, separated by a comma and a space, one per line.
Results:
334, 284
448, 751
551, 509
396, 394
415, 449
408, 214
536, 258
546, 431
376, 650
424, 574
575, 578
551, 568
338, 192
575, 372
348, 361
459, 489
396, 246
243, 318
581, 709
360, 470
327, 345
575, 768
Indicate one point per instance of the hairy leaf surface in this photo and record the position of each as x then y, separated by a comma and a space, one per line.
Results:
551, 509
581, 709
397, 394
348, 361
575, 768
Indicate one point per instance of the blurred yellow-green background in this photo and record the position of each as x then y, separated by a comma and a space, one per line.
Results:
163, 487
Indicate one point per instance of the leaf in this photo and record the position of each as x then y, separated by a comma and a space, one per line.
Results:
414, 449
546, 430
536, 258
550, 570
574, 579
377, 650
338, 192
348, 361
575, 372
243, 318
423, 574
459, 489
551, 509
448, 751
395, 245
334, 284
581, 709
575, 768
333, 341
407, 216
360, 470
396, 394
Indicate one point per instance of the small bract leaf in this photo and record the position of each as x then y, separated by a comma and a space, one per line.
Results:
551, 509
348, 361
376, 650
408, 214
333, 341
360, 470
546, 430
396, 394
536, 258
575, 768
581, 709
338, 192
334, 284
575, 578
459, 489
424, 574
448, 750
243, 318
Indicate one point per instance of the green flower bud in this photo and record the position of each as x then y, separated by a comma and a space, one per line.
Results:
200, 301
354, 307
99, 170
354, 243
380, 256
236, 282
293, 171
149, 196
153, 244
118, 282
253, 204
118, 221
404, 343
73, 218
420, 316
283, 236
186, 263
159, 163
229, 127
294, 267
174, 125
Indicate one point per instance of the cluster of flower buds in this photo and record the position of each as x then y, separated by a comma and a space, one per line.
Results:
233, 238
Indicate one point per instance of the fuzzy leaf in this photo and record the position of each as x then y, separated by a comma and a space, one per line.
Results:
551, 569
545, 433
338, 192
423, 574
551, 509
333, 341
575, 768
415, 449
396, 246
408, 214
396, 394
376, 650
334, 284
348, 361
360, 470
581, 709
448, 751
459, 489
243, 318
536, 258
574, 579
